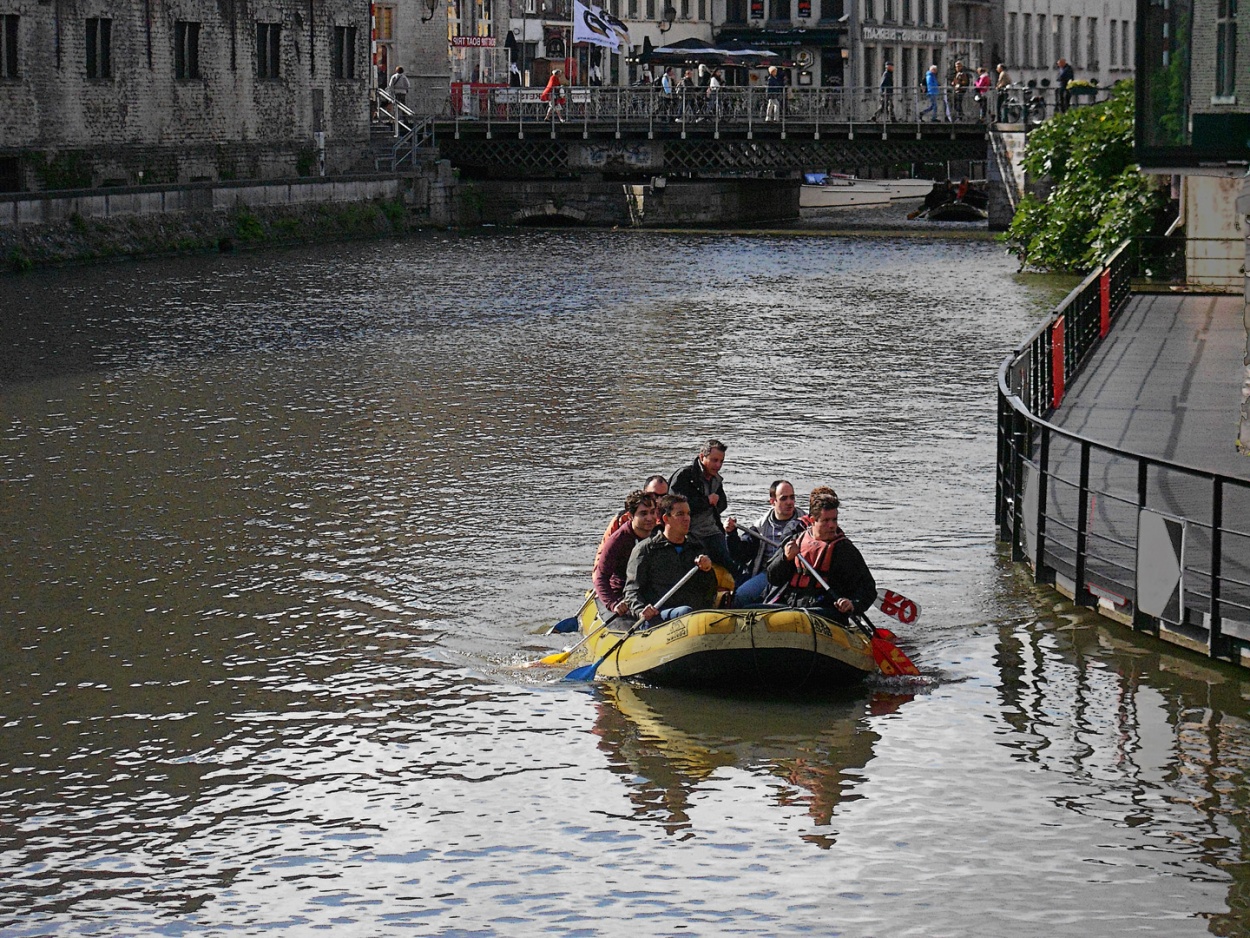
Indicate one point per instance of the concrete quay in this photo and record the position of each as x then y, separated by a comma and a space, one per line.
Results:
1159, 404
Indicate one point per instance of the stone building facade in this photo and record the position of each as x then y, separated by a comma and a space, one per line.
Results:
1096, 39
126, 92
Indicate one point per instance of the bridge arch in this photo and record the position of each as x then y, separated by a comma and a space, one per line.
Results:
548, 213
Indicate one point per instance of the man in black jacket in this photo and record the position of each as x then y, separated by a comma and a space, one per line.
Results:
658, 562
886, 107
701, 484
827, 548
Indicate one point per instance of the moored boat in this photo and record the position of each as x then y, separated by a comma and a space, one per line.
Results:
905, 188
830, 190
779, 648
835, 190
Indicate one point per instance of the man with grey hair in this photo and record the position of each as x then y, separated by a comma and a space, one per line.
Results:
701, 483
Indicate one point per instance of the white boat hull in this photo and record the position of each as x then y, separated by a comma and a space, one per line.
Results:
905, 188
841, 196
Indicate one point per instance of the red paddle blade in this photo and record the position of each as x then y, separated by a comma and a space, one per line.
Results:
890, 658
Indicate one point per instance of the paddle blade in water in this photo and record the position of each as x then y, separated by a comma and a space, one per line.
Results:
890, 658
548, 661
585, 673
565, 625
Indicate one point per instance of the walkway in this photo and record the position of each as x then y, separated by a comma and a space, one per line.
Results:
1167, 382
1164, 384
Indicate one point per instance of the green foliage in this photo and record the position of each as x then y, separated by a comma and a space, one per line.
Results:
1098, 198
305, 161
19, 261
1169, 90
396, 213
248, 228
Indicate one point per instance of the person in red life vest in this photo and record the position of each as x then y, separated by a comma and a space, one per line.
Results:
827, 548
816, 493
613, 563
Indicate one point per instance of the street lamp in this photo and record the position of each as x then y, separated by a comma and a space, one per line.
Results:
667, 22
430, 5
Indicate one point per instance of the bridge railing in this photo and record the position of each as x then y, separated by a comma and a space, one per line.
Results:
1085, 513
730, 106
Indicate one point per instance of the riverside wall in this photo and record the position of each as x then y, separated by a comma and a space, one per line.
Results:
85, 225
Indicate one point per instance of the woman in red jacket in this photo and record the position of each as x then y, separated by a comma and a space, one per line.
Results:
553, 94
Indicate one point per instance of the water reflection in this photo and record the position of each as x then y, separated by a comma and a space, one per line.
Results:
275, 527
1154, 742
667, 745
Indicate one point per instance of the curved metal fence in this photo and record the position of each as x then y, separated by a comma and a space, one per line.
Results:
1156, 544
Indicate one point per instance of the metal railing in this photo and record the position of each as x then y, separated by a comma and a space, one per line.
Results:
411, 131
730, 106
1070, 506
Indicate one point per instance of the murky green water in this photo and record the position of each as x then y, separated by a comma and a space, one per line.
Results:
277, 528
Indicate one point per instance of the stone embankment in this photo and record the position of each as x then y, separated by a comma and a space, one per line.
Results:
43, 228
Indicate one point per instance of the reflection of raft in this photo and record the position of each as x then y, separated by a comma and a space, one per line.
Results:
746, 649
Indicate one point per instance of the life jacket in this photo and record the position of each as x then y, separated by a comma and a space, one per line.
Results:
819, 554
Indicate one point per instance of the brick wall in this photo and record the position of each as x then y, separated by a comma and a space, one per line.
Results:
221, 120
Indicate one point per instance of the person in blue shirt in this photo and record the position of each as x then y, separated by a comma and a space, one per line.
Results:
933, 88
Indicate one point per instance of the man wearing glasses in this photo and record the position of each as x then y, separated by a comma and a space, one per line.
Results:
779, 523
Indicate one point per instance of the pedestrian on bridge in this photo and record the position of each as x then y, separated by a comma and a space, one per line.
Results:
886, 108
982, 88
776, 88
553, 94
667, 93
1001, 87
961, 79
713, 93
1063, 97
933, 88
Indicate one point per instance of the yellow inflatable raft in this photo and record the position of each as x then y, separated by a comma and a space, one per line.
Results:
780, 648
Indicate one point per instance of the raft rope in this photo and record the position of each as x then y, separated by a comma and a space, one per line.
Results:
811, 661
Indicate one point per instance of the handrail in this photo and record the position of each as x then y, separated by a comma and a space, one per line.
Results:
1069, 505
735, 105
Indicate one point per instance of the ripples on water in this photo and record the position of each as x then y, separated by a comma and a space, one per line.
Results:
278, 526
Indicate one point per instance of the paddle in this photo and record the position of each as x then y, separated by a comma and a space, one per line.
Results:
560, 657
572, 622
587, 671
891, 603
889, 657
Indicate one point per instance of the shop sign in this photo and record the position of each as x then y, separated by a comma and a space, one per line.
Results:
926, 37
473, 42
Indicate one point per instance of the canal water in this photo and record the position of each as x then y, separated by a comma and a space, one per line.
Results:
277, 530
